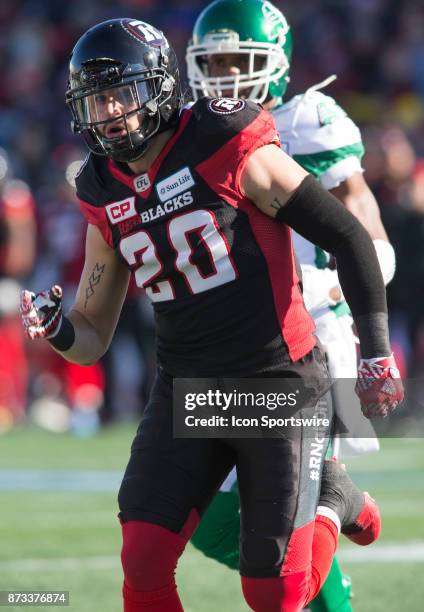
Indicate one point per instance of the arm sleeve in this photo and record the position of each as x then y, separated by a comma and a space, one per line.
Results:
318, 216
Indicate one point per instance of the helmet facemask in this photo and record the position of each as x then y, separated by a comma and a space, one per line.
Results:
118, 117
266, 62
252, 29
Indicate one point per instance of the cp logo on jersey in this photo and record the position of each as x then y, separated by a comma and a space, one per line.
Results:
226, 106
119, 211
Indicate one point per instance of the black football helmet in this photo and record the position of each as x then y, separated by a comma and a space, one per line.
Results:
124, 87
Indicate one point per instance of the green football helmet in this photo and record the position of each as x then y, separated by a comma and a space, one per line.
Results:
255, 28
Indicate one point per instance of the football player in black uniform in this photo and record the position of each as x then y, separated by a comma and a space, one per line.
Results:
197, 203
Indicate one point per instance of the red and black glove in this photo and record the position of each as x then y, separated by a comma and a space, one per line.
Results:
379, 386
41, 312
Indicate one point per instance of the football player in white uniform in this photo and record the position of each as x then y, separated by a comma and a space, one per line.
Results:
243, 48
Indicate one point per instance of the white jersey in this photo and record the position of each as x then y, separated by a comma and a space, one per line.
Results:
319, 135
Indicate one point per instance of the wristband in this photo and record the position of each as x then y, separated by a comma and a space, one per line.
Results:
373, 332
64, 337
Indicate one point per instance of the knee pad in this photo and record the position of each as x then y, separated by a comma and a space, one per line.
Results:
285, 593
261, 557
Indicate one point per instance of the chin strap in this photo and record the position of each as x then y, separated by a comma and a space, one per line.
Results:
321, 84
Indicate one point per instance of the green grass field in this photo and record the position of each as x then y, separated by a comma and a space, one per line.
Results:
56, 532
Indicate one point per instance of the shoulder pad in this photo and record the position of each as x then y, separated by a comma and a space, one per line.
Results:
310, 110
324, 109
92, 194
89, 184
313, 122
230, 115
226, 138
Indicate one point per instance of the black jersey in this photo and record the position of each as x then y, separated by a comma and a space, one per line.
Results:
220, 273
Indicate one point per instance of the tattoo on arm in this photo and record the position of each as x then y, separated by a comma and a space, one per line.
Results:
93, 281
276, 204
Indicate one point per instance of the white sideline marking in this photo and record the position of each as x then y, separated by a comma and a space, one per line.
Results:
383, 553
60, 564
108, 481
92, 481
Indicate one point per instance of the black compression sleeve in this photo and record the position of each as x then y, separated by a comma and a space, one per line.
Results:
65, 337
317, 215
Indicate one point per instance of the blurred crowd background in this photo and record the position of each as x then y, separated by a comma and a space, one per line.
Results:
376, 48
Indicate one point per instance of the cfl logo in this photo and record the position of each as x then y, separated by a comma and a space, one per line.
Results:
141, 183
122, 210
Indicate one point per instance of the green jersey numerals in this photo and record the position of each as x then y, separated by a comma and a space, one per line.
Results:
328, 112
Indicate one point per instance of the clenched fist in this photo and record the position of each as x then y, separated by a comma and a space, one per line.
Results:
41, 312
379, 386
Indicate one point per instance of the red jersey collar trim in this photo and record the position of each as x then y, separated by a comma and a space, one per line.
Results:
128, 180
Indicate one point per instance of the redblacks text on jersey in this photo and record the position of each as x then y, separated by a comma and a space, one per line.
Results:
221, 274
